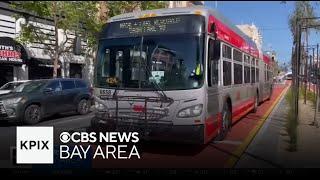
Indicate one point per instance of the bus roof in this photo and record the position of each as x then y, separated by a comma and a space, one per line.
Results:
266, 59
226, 30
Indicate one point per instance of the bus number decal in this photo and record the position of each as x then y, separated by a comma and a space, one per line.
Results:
105, 92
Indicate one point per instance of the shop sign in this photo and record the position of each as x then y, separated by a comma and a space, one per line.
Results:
11, 52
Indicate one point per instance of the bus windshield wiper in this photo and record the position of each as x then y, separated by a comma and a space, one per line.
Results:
156, 86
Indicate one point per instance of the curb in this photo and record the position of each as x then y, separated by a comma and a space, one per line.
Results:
240, 150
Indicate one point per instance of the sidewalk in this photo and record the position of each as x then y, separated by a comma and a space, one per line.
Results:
264, 149
269, 147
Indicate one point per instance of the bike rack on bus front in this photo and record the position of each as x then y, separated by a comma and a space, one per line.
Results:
142, 118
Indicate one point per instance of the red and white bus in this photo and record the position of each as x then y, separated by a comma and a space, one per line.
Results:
183, 74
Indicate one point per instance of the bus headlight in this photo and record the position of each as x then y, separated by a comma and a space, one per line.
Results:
191, 111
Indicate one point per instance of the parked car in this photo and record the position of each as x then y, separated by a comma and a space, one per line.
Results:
34, 100
8, 87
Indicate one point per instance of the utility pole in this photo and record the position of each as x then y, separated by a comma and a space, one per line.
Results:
311, 67
298, 62
309, 70
306, 72
317, 90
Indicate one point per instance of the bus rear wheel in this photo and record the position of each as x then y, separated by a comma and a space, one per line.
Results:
225, 124
256, 103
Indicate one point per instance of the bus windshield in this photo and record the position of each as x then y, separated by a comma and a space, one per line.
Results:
170, 62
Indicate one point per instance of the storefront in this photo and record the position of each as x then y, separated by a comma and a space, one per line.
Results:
75, 70
12, 57
42, 69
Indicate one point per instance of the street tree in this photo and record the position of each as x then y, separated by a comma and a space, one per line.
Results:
120, 7
107, 9
66, 19
302, 9
83, 18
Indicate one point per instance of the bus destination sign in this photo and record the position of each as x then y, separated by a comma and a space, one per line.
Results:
154, 26
149, 25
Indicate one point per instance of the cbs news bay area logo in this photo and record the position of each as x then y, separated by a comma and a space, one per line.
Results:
35, 145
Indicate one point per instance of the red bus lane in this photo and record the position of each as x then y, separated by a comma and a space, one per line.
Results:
213, 155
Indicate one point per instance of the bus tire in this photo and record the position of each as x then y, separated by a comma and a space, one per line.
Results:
270, 95
226, 123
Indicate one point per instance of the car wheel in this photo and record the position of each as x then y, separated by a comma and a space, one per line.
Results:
226, 123
32, 114
83, 106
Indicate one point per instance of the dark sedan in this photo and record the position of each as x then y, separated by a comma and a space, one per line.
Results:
34, 100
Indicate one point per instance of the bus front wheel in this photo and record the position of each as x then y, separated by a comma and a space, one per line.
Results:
225, 124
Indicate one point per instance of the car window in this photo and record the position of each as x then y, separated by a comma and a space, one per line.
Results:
31, 86
81, 84
8, 86
67, 84
55, 86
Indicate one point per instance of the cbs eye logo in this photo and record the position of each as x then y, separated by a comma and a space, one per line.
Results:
65, 137
78, 137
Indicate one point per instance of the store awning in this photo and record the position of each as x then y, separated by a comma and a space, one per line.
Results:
12, 52
42, 62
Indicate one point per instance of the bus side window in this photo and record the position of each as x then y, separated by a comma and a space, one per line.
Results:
213, 63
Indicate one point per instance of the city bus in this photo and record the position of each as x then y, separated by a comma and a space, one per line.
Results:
182, 74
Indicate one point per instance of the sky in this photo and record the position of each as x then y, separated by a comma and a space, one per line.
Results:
271, 17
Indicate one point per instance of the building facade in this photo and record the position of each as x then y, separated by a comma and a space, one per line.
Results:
35, 63
253, 32
176, 4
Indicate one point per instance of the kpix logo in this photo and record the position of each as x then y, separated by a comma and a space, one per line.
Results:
34, 145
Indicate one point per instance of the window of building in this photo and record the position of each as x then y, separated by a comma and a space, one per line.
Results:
75, 70
237, 55
226, 73
237, 73
226, 51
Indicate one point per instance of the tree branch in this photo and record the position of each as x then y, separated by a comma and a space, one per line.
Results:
66, 36
41, 39
65, 50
